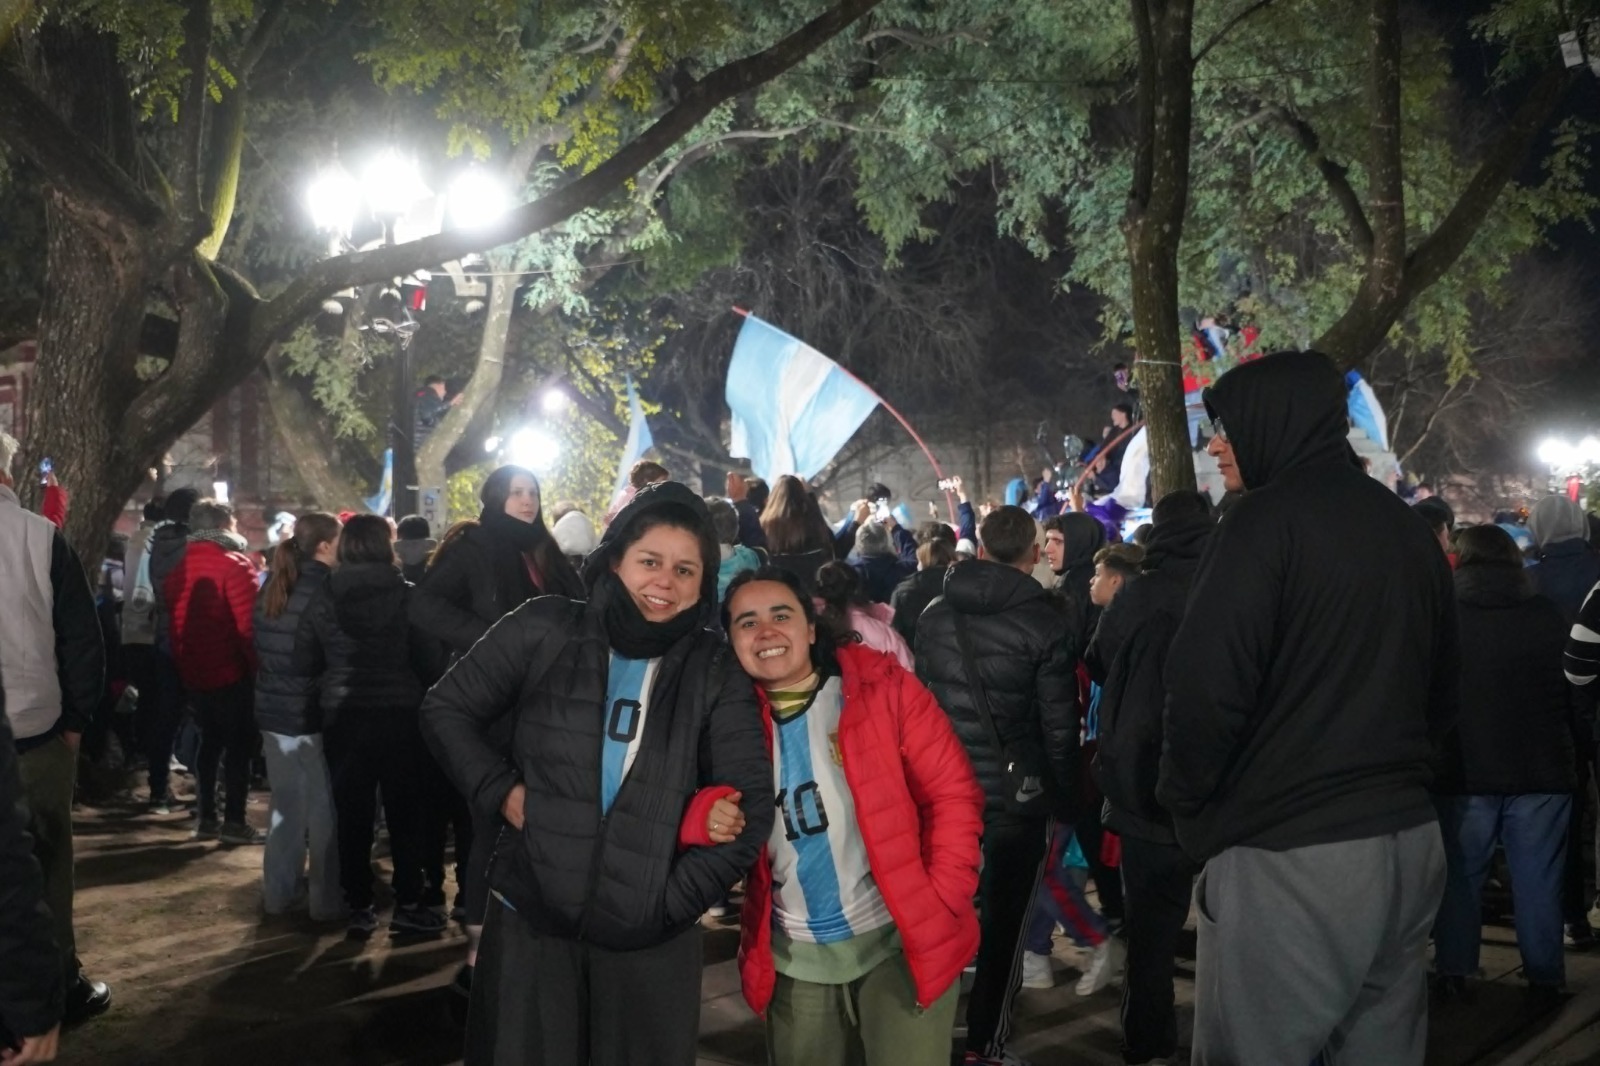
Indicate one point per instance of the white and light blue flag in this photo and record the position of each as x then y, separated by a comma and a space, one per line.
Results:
639, 440
1366, 413
793, 407
379, 504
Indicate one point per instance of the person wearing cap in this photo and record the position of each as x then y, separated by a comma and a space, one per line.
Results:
413, 546
617, 709
1315, 668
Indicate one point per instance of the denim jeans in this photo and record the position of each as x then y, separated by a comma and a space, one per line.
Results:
302, 820
1533, 829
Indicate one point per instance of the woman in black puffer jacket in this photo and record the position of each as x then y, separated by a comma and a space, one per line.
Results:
1506, 770
620, 709
357, 641
290, 721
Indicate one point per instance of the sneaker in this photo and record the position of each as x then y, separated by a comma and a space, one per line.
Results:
363, 923
1036, 971
1103, 967
1005, 1058
1579, 936
174, 766
417, 919
160, 807
85, 999
206, 829
239, 833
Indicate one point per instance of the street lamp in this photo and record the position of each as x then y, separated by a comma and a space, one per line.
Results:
536, 449
554, 401
1571, 462
476, 200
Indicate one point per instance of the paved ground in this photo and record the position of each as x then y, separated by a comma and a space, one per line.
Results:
201, 977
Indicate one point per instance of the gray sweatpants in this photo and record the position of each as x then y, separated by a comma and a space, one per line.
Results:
1317, 951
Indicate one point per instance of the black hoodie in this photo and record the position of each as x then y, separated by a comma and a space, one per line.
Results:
357, 640
1082, 536
1127, 658
1027, 656
1318, 657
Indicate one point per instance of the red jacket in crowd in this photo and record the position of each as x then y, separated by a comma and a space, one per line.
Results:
211, 594
920, 813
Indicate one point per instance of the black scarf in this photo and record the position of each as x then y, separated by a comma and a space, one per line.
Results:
632, 637
513, 540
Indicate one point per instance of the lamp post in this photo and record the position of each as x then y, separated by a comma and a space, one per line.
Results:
1570, 462
392, 194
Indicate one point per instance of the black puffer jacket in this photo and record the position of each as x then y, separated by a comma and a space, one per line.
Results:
1126, 658
461, 595
357, 642
1317, 662
618, 881
911, 597
167, 546
804, 566
286, 699
1027, 658
1514, 733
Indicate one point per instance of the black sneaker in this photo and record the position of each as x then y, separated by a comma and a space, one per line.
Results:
363, 923
206, 829
239, 833
85, 999
417, 919
1580, 937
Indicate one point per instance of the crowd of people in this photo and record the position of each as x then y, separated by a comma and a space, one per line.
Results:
1307, 716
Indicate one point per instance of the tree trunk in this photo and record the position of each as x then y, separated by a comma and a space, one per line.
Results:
88, 339
1154, 227
481, 387
298, 427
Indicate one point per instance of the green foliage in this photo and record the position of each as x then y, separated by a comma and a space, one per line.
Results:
334, 367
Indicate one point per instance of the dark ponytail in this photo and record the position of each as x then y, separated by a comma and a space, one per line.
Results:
311, 531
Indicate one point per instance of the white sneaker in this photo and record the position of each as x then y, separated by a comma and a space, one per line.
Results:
1103, 968
1036, 971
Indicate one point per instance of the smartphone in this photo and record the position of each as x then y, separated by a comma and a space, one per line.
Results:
45, 467
880, 509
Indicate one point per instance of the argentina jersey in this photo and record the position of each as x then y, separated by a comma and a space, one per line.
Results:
822, 886
627, 701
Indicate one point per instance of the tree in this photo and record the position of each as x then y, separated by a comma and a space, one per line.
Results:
137, 211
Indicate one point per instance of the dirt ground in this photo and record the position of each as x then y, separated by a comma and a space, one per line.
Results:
200, 977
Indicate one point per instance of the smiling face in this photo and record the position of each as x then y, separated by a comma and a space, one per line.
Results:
661, 571
1222, 451
523, 501
770, 635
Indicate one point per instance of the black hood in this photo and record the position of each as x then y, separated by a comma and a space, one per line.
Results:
1082, 536
663, 494
1180, 541
1283, 411
985, 587
367, 597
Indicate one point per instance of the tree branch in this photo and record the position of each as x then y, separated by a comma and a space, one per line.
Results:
696, 151
71, 163
920, 40
196, 58
1441, 248
1334, 174
1228, 27
260, 37
273, 319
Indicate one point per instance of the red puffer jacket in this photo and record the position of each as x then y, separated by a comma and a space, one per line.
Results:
920, 812
212, 594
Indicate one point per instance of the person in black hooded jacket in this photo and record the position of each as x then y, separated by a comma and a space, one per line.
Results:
1026, 657
357, 641
1314, 668
1507, 770
620, 709
481, 571
1071, 542
1127, 657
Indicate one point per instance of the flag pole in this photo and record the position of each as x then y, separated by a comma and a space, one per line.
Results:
938, 472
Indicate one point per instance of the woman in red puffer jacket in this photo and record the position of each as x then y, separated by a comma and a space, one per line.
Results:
858, 915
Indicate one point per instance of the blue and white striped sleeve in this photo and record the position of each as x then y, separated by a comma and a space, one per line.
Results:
1582, 659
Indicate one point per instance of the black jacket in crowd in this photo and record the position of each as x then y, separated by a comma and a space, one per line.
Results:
1514, 731
1027, 659
167, 546
1127, 658
618, 880
1082, 537
881, 575
463, 593
286, 698
1318, 658
911, 597
357, 641
804, 565
31, 980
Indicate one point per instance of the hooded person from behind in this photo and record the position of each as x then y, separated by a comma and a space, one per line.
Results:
1568, 568
1315, 667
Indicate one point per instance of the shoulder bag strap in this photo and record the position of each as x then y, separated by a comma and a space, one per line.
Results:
979, 697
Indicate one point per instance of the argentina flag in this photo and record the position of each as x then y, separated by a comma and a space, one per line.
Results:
793, 407
639, 441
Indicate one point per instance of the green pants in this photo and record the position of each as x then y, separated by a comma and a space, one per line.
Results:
872, 1021
48, 774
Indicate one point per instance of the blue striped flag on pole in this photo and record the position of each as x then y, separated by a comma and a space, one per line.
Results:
793, 407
